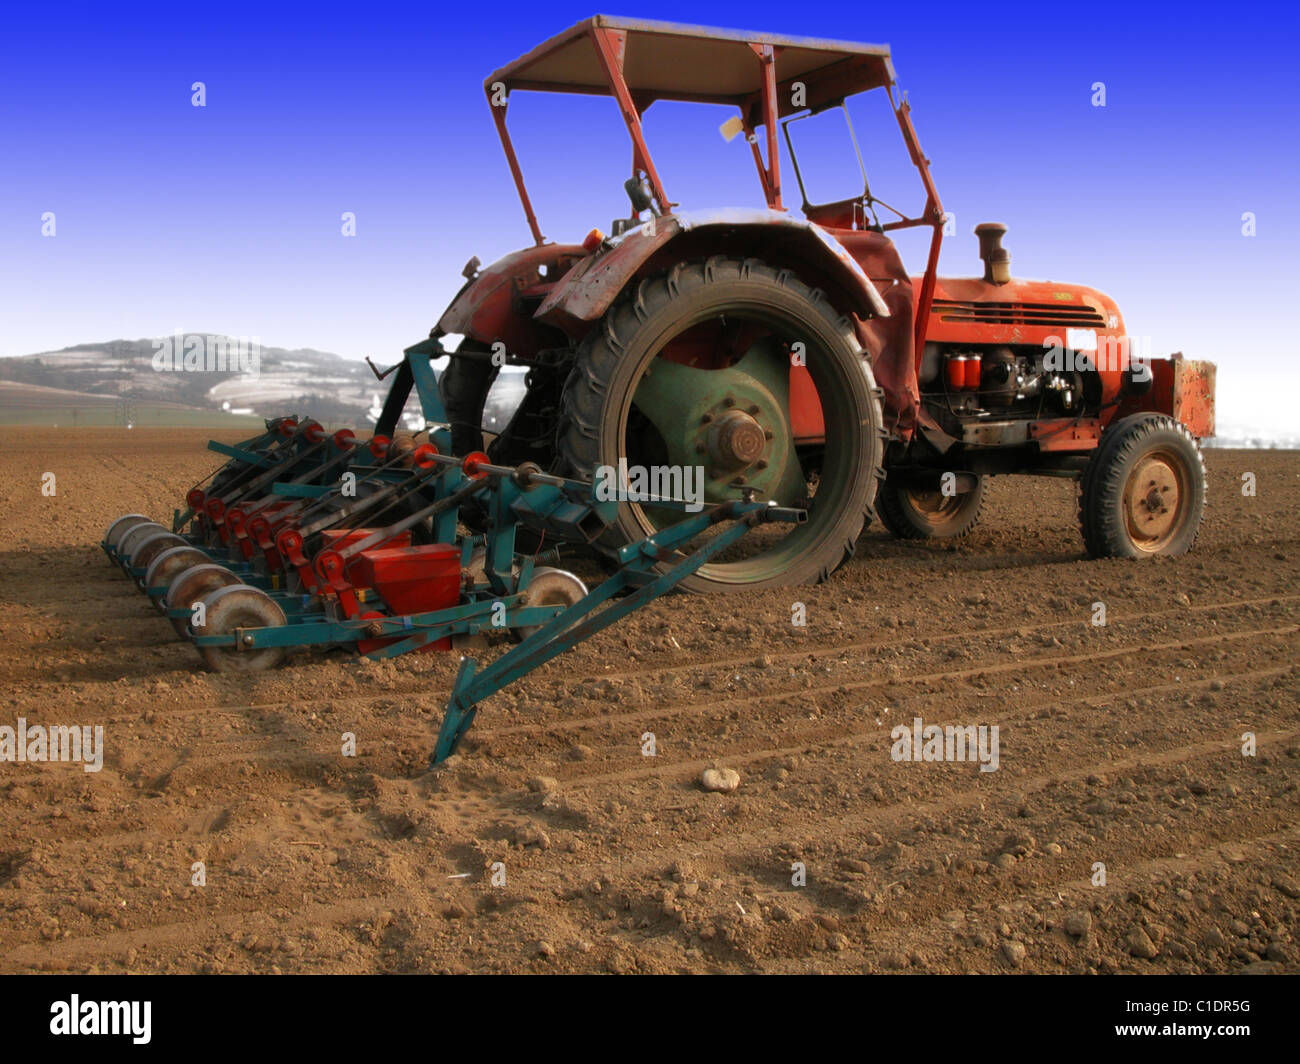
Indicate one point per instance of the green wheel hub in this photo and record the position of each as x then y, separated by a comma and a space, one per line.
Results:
731, 422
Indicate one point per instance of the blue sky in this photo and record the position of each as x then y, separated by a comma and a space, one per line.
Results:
227, 217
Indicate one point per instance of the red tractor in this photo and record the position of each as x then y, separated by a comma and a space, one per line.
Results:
795, 358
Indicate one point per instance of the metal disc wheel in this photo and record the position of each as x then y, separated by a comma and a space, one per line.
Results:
136, 535
170, 564
1143, 491
915, 513
743, 375
229, 609
151, 546
192, 586
550, 587
122, 526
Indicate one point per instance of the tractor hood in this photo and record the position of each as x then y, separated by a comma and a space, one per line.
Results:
973, 310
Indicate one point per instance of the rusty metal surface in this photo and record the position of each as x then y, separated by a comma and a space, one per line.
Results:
1193, 404
585, 295
590, 288
1078, 306
487, 309
1066, 433
676, 61
995, 433
1051, 434
1182, 388
889, 340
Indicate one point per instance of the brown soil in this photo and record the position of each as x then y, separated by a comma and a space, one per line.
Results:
1119, 745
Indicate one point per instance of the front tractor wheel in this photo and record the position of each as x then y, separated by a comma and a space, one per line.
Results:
1143, 491
699, 369
919, 513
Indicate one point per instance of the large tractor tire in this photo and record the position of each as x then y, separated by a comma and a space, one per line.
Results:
692, 368
915, 513
1143, 491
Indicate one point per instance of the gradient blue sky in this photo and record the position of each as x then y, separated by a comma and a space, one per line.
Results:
227, 218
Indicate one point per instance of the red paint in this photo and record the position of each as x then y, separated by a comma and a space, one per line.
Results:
411, 580
806, 422
955, 366
335, 539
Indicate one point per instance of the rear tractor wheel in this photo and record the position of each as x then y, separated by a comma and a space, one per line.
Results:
716, 371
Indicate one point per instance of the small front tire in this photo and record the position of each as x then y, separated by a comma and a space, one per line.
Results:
1143, 491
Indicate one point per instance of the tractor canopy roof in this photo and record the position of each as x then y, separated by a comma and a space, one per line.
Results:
699, 64
767, 76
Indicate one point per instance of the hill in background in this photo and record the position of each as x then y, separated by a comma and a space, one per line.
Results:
117, 383
87, 382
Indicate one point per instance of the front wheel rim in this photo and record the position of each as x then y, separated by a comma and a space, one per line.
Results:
1153, 501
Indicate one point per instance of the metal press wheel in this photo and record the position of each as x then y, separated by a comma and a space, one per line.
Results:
239, 606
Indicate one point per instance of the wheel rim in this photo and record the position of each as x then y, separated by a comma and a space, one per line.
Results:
151, 546
193, 585
122, 526
551, 587
233, 607
170, 564
135, 536
1153, 500
935, 508
730, 414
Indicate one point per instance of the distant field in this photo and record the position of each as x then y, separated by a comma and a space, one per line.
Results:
142, 417
25, 404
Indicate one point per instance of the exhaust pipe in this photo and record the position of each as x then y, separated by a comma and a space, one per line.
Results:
997, 259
